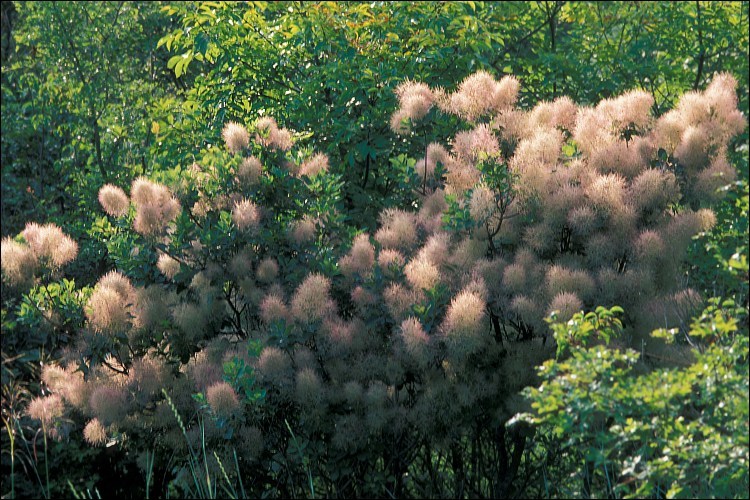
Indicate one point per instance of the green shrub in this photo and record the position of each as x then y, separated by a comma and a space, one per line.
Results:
626, 424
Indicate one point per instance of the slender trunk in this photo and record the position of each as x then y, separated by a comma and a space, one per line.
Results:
457, 462
508, 466
588, 472
496, 327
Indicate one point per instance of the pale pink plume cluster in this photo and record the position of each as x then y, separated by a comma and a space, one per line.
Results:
245, 215
110, 307
313, 166
113, 200
168, 265
360, 259
49, 244
222, 399
95, 433
269, 135
236, 137
155, 207
397, 229
312, 300
481, 95
249, 171
464, 323
434, 155
415, 101
43, 246
267, 270
302, 231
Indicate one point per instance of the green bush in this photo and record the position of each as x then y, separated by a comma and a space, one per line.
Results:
625, 424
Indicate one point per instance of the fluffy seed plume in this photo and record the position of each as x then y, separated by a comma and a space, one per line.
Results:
269, 135
709, 181
273, 308
397, 229
235, 137
110, 306
302, 231
464, 323
94, 433
267, 270
561, 279
312, 300
607, 191
222, 399
653, 190
318, 163
483, 204
582, 220
436, 249
108, 403
274, 365
360, 258
168, 266
308, 387
566, 304
249, 171
113, 200
46, 409
155, 207
415, 101
480, 93
398, 300
49, 244
416, 341
17, 263
422, 274
245, 215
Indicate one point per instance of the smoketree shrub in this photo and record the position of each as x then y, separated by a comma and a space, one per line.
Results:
47, 307
378, 364
581, 206
331, 68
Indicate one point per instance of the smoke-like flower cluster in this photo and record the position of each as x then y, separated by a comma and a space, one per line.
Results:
464, 323
245, 215
318, 163
222, 399
249, 171
46, 410
17, 262
155, 207
114, 201
269, 135
312, 301
236, 137
360, 258
49, 245
95, 433
415, 101
480, 94
168, 265
109, 309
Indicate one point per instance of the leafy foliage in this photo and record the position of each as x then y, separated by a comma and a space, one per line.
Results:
627, 427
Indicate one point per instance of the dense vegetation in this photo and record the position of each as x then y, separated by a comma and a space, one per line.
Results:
289, 249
